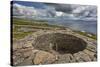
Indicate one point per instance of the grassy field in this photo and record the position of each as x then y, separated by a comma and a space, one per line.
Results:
18, 24
17, 21
22, 28
87, 34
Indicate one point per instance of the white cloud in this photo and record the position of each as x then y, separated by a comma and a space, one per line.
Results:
31, 11
24, 10
79, 9
59, 13
78, 12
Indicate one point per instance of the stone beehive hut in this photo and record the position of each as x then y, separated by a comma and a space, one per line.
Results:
61, 43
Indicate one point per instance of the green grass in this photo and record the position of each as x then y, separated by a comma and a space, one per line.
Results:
15, 29
21, 35
37, 24
86, 34
30, 24
17, 21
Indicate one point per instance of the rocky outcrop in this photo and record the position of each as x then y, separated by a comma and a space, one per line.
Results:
40, 48
22, 54
43, 57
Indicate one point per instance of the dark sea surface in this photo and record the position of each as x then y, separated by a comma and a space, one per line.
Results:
79, 25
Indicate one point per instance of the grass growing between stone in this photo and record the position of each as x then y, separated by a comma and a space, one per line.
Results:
93, 36
18, 24
21, 35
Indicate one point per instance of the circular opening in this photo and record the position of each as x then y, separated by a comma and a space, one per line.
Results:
62, 43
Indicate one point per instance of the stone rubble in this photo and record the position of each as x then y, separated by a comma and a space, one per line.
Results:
24, 53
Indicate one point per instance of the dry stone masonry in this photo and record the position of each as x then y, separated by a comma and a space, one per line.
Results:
54, 46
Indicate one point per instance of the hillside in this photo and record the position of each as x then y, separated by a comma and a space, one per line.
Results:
37, 42
23, 27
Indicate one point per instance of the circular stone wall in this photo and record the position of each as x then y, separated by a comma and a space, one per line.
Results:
61, 43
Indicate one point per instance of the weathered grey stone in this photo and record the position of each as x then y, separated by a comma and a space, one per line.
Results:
17, 59
84, 56
77, 57
72, 59
28, 44
25, 52
43, 57
90, 54
17, 46
91, 47
63, 58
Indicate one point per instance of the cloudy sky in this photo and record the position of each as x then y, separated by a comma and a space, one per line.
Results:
52, 10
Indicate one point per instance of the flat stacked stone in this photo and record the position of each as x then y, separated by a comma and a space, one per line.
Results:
25, 53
